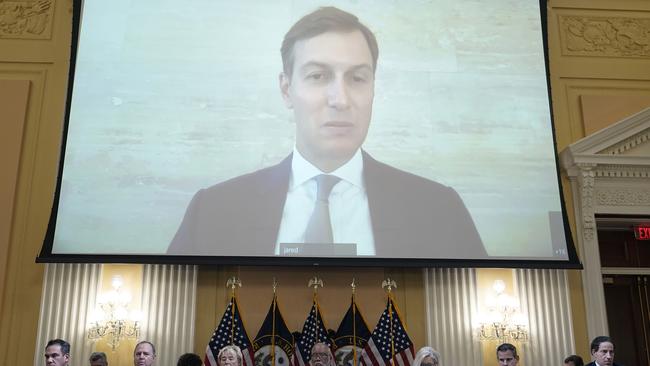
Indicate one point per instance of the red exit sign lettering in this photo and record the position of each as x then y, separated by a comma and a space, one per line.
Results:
642, 232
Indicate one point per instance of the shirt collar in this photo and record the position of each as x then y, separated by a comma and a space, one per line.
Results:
302, 170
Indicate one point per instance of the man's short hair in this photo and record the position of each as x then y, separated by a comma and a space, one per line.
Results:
96, 356
577, 360
65, 346
595, 344
505, 347
325, 19
189, 359
153, 348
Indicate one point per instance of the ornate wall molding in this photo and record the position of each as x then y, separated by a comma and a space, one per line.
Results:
605, 36
620, 171
629, 143
586, 180
623, 197
26, 19
606, 183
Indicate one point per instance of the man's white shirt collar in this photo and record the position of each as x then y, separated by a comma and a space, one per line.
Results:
302, 170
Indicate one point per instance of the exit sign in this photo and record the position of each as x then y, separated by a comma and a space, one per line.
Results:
642, 232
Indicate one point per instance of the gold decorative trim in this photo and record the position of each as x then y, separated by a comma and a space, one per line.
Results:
26, 19
605, 36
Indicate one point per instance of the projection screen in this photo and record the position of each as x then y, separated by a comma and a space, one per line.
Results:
189, 140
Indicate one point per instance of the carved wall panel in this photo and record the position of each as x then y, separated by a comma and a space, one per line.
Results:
605, 36
26, 19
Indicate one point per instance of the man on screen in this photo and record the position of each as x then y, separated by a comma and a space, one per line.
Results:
329, 190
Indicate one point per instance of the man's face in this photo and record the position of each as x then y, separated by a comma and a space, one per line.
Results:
54, 356
228, 358
506, 358
330, 90
143, 355
604, 356
320, 356
99, 362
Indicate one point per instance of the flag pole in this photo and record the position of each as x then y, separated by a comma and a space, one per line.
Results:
275, 286
315, 283
354, 323
233, 282
389, 284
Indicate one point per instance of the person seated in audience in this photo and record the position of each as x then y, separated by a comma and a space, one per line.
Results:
57, 353
321, 355
426, 356
98, 359
189, 359
507, 355
574, 360
144, 354
230, 356
602, 352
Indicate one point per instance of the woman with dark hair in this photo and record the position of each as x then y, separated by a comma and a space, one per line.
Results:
574, 360
190, 359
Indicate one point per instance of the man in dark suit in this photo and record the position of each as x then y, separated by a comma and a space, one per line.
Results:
329, 190
602, 352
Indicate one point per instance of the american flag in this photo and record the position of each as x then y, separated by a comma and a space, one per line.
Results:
313, 331
230, 331
389, 344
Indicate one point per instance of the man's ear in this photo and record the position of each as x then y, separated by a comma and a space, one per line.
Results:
285, 83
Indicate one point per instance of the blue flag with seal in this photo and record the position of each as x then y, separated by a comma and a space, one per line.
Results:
273, 345
351, 336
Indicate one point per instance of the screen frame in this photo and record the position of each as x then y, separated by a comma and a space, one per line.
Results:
46, 255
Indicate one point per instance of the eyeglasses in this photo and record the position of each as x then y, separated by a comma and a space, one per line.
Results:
434, 363
320, 355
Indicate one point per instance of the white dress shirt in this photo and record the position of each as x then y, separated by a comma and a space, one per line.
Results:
348, 205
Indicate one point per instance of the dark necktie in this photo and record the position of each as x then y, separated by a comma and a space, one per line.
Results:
319, 228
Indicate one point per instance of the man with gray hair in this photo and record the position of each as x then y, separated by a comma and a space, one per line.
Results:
144, 354
321, 355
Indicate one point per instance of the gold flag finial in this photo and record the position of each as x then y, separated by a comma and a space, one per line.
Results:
354, 285
315, 283
233, 282
275, 285
388, 285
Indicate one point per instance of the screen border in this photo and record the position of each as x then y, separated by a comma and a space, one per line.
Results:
46, 255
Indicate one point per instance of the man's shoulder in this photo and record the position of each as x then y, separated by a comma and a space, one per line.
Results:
387, 175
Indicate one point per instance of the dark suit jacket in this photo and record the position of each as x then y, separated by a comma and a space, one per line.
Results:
411, 216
